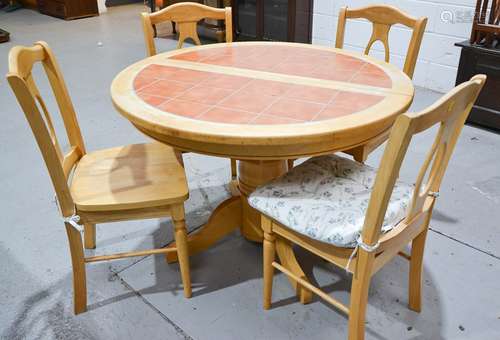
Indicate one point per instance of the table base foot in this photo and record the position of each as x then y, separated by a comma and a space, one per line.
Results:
225, 219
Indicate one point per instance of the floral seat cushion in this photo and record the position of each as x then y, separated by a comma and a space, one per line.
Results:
326, 198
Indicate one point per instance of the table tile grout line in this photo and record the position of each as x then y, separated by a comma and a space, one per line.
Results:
464, 243
177, 328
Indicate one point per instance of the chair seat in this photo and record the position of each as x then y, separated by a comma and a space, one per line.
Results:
129, 177
326, 198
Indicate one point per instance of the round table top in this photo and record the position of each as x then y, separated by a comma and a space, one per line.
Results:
262, 100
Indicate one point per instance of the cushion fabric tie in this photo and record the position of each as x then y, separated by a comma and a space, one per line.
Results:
364, 246
434, 194
72, 220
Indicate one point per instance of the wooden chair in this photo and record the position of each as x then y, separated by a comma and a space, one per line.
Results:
123, 183
382, 17
186, 15
372, 249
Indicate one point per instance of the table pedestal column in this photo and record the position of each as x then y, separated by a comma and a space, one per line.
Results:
252, 174
236, 212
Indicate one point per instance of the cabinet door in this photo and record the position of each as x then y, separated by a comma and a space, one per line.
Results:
276, 20
301, 24
247, 18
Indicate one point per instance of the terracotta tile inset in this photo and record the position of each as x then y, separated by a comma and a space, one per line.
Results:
157, 71
372, 80
356, 101
206, 94
140, 82
166, 88
333, 74
268, 87
152, 100
373, 70
221, 115
190, 56
251, 102
227, 82
298, 69
222, 60
211, 96
312, 94
294, 109
190, 76
345, 62
184, 108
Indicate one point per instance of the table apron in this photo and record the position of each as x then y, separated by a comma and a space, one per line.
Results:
259, 152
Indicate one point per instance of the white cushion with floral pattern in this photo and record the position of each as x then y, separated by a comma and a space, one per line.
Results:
326, 199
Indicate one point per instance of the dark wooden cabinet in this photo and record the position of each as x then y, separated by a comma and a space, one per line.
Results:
476, 59
279, 20
68, 9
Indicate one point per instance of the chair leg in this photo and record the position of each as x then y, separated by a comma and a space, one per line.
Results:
290, 164
234, 172
359, 296
79, 275
269, 256
182, 247
89, 235
416, 265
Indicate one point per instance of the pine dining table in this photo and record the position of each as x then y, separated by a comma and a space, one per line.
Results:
262, 103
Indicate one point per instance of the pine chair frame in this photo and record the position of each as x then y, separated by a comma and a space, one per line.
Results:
186, 15
450, 113
382, 17
60, 167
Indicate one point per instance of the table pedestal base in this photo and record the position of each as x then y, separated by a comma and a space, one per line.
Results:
235, 212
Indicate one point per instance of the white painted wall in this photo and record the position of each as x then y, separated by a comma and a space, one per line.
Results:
449, 21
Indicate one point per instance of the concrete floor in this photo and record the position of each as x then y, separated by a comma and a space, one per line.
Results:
142, 298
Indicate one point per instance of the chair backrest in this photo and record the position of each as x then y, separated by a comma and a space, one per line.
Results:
450, 113
20, 78
382, 18
186, 15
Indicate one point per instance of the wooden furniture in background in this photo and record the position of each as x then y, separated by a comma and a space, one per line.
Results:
123, 183
208, 28
480, 59
268, 102
376, 249
486, 31
31, 4
382, 17
277, 20
68, 9
4, 36
481, 54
